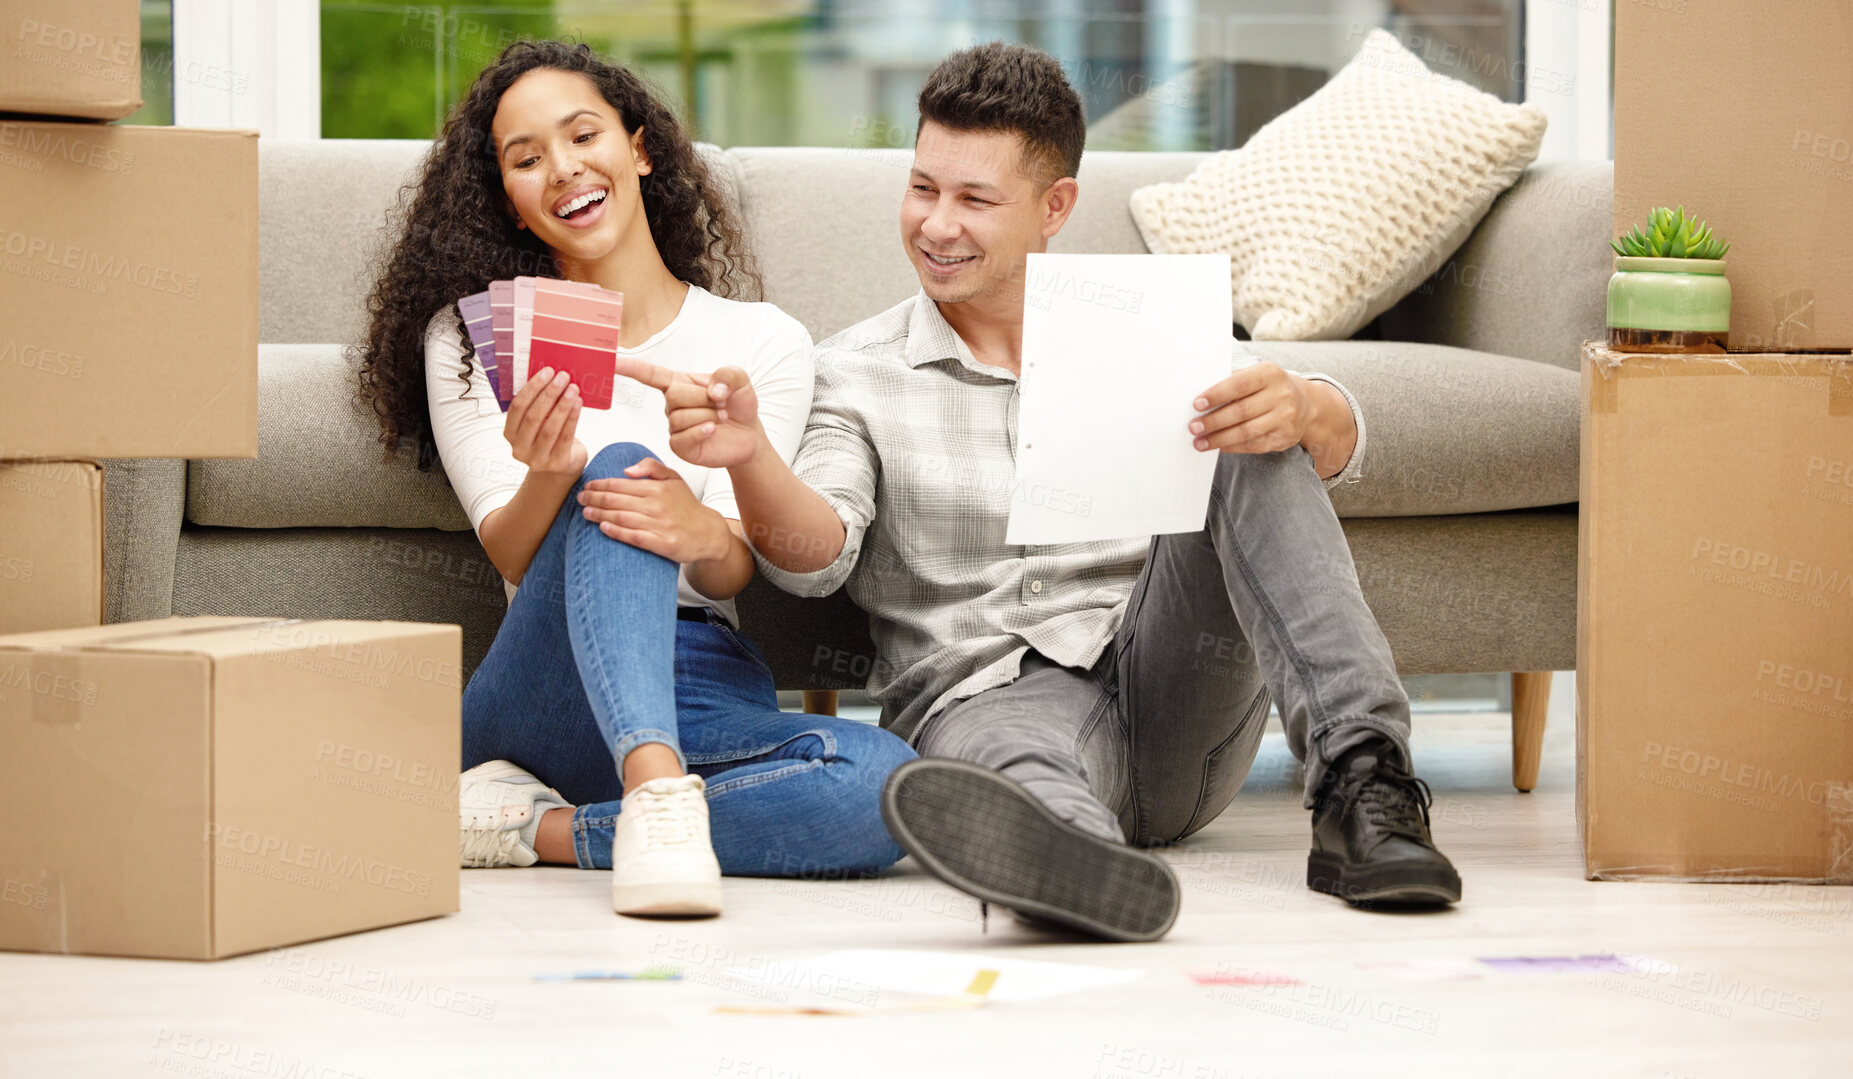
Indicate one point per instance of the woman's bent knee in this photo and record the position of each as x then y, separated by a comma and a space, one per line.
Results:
610, 462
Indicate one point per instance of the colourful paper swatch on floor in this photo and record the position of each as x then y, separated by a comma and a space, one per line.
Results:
1242, 976
977, 992
479, 323
874, 972
502, 322
1571, 964
574, 328
651, 974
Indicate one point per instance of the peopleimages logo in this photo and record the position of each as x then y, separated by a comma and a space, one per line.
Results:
1046, 283
1814, 692
57, 686
1743, 774
57, 142
1772, 565
1832, 147
109, 50
1801, 679
291, 853
84, 260
363, 661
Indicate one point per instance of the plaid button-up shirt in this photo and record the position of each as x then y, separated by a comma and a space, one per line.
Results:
913, 442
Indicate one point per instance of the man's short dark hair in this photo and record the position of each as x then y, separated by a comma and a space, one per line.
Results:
1010, 88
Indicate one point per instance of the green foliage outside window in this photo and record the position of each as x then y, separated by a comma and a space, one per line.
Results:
390, 71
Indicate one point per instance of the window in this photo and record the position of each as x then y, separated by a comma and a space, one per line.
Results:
157, 64
1154, 74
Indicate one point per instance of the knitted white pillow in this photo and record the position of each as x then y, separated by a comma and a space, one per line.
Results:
1346, 202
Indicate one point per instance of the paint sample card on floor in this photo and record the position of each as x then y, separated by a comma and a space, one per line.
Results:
863, 976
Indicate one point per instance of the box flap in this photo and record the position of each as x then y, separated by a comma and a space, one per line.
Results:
352, 640
124, 634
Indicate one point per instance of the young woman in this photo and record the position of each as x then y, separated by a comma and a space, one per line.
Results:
620, 719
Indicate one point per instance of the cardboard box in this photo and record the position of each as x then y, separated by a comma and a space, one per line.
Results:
200, 787
1758, 141
128, 291
51, 545
78, 58
1715, 617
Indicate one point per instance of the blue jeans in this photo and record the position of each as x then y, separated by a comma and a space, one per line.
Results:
591, 662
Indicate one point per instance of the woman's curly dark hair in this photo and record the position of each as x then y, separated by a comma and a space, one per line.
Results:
454, 235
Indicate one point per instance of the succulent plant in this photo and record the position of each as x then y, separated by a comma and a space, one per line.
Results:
1670, 234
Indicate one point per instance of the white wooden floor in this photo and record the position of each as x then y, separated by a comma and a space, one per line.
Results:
1734, 981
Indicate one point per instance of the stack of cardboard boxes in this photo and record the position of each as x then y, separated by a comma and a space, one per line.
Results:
1715, 637
128, 316
189, 787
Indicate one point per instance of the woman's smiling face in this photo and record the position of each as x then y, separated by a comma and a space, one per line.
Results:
569, 169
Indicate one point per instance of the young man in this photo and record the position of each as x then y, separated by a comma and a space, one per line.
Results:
1069, 699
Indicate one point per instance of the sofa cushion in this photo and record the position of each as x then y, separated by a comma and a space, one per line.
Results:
1345, 202
413, 575
1532, 280
1448, 430
319, 458
320, 208
144, 499
1482, 592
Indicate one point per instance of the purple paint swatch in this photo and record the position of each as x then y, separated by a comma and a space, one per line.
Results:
476, 320
1562, 964
502, 312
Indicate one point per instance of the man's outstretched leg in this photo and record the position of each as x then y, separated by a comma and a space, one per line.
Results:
1269, 584
1016, 800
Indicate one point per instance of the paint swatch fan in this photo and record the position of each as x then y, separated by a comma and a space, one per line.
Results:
531, 323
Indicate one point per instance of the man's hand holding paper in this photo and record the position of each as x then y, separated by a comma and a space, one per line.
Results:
1263, 408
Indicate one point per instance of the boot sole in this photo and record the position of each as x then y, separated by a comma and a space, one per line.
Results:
989, 838
675, 899
1395, 884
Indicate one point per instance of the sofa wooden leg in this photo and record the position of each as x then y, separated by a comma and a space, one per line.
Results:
1531, 699
822, 702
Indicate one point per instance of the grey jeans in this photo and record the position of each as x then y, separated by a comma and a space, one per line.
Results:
1154, 742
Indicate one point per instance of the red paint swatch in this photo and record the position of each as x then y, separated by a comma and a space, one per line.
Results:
576, 330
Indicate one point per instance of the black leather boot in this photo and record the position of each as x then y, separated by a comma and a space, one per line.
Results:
1371, 845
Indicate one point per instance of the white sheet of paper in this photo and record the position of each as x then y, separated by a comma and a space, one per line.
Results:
1115, 348
863, 975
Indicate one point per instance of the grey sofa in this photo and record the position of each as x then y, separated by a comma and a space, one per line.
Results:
1463, 528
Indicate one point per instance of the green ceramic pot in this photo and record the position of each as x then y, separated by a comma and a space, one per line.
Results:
1675, 300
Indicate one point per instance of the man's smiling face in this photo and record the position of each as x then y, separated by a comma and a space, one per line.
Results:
972, 213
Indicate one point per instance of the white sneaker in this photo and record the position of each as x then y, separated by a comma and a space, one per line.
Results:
496, 801
662, 861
